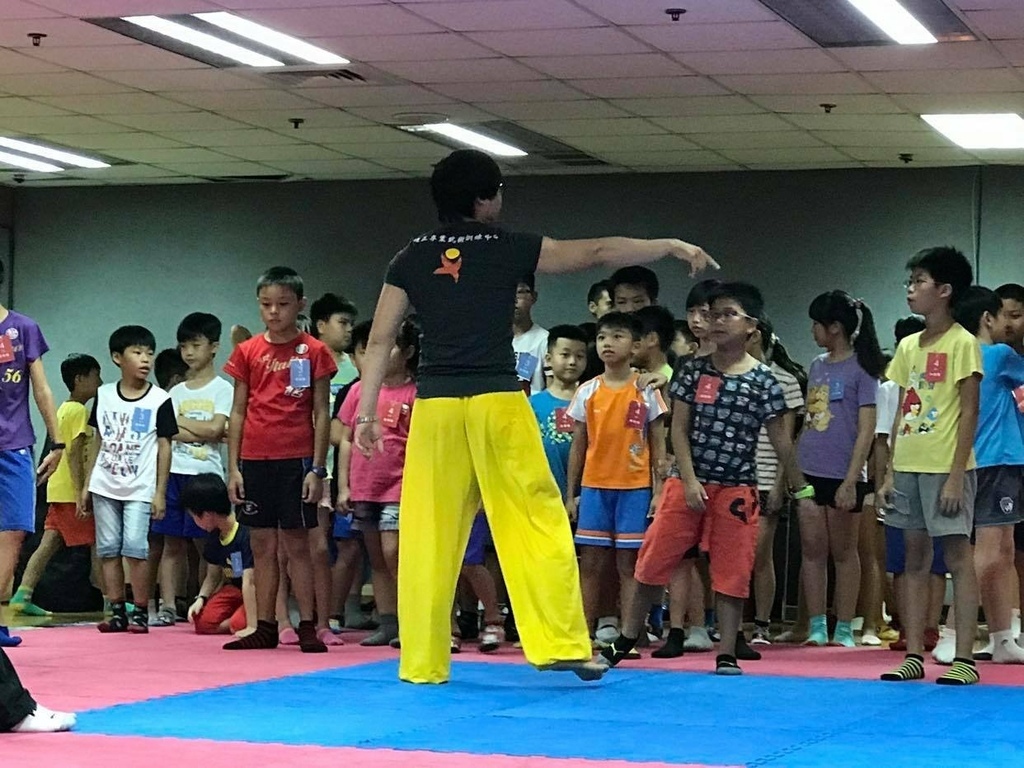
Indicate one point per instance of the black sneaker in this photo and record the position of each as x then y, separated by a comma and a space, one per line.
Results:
138, 624
743, 651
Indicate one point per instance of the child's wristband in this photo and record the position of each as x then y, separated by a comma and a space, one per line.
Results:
807, 492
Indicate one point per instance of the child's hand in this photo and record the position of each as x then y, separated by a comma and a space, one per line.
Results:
311, 488
158, 508
776, 498
83, 504
655, 500
572, 508
884, 493
696, 496
195, 609
325, 497
651, 379
846, 496
236, 487
48, 466
952, 497
368, 438
344, 502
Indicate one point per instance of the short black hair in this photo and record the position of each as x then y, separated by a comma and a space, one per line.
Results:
655, 319
77, 364
946, 266
361, 334
327, 306
206, 492
683, 327
621, 321
570, 332
529, 280
698, 295
286, 277
131, 336
199, 325
1011, 291
976, 301
601, 286
167, 365
642, 277
462, 178
746, 295
907, 326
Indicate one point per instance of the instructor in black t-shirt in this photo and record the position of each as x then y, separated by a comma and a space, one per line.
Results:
473, 436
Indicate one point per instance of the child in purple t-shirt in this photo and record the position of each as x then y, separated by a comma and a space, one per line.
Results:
839, 427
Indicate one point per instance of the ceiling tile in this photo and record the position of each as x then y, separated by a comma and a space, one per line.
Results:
960, 55
621, 143
561, 42
757, 36
278, 119
341, 165
243, 5
16, 9
182, 155
723, 123
786, 155
425, 47
176, 121
373, 95
115, 104
211, 170
428, 151
773, 165
461, 71
853, 103
869, 138
1000, 24
921, 154
58, 84
334, 134
233, 100
532, 90
85, 8
624, 65
938, 103
613, 127
411, 112
643, 159
282, 152
1012, 50
349, 21
800, 60
13, 106
119, 57
103, 142
692, 105
845, 122
838, 82
950, 81
648, 12
13, 63
373, 134
60, 33
211, 79
757, 140
556, 110
58, 124
495, 15
249, 137
122, 172
622, 87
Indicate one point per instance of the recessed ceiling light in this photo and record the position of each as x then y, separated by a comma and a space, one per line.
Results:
468, 137
895, 20
271, 38
190, 36
27, 163
995, 131
52, 153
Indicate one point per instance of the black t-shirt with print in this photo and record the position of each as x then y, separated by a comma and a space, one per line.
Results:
726, 415
233, 557
461, 279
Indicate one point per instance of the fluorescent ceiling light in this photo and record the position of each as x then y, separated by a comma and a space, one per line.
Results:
997, 131
468, 137
271, 38
895, 20
69, 158
202, 40
27, 163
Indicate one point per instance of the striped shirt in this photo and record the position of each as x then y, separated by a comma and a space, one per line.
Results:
767, 460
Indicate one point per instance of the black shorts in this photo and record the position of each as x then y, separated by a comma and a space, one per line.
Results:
825, 492
273, 494
1000, 496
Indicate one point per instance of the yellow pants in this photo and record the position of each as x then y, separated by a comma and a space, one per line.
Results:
462, 451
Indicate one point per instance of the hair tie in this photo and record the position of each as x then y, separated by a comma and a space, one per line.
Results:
858, 308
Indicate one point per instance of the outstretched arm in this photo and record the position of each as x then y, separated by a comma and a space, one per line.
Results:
613, 252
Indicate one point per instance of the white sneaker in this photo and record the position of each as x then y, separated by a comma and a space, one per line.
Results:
45, 720
1005, 650
985, 654
945, 649
869, 638
697, 639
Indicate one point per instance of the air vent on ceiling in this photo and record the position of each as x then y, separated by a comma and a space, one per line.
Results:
291, 77
838, 24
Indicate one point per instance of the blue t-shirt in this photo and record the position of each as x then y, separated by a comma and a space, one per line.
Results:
999, 441
233, 556
557, 440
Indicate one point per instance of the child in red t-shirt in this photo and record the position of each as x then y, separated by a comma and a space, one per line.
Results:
371, 488
277, 450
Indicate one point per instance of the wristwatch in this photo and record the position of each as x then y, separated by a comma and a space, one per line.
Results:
320, 472
58, 446
807, 492
365, 420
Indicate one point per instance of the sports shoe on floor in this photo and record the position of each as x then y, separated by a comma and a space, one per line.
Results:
870, 639
26, 608
491, 638
456, 644
985, 654
7, 640
698, 640
163, 618
713, 633
888, 635
45, 720
760, 636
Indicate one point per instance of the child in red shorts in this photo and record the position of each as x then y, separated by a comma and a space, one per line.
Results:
67, 524
722, 400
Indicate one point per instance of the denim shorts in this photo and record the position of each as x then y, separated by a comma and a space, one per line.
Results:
122, 527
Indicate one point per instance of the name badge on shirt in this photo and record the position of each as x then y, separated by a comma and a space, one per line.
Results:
236, 565
935, 367
636, 415
526, 364
563, 421
835, 390
392, 414
6, 349
1018, 396
707, 389
298, 373
141, 419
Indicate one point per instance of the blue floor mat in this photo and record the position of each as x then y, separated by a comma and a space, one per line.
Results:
671, 717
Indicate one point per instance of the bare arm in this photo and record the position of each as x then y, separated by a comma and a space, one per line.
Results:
163, 470
777, 494
89, 462
657, 433
612, 252
577, 460
952, 496
387, 319
196, 431
236, 423
782, 442
341, 504
77, 460
43, 396
321, 420
212, 582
